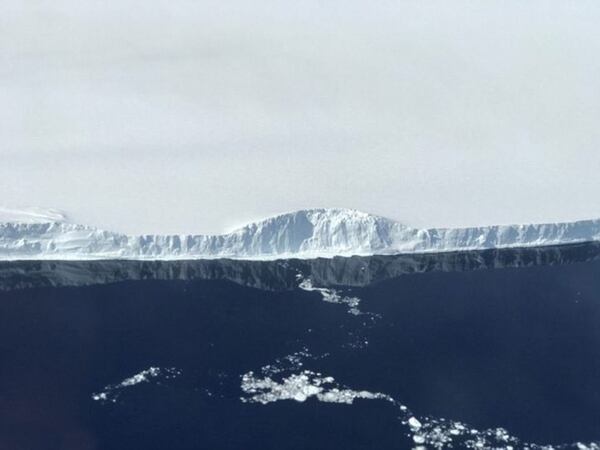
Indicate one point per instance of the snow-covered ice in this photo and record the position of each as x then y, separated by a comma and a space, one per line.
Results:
31, 215
47, 234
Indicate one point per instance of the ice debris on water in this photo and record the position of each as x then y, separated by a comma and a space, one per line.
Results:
300, 387
284, 381
333, 296
111, 392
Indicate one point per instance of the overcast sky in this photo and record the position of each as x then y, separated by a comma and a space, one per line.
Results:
194, 116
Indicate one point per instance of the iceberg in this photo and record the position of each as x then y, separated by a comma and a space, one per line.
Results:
37, 234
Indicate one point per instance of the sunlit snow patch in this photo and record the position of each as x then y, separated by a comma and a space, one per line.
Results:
112, 392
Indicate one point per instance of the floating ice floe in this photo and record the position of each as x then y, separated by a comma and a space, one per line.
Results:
291, 362
278, 382
111, 392
331, 296
300, 387
357, 339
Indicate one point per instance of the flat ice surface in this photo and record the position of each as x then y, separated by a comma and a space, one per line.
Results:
36, 233
31, 215
183, 113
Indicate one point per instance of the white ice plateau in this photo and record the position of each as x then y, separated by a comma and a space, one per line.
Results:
36, 233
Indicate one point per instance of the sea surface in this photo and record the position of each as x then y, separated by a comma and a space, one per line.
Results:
492, 349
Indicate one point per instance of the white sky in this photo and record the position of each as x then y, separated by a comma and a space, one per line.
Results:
193, 116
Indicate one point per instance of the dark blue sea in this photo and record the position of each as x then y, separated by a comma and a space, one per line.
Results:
493, 349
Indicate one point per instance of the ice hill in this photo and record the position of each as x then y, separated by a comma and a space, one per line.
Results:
48, 234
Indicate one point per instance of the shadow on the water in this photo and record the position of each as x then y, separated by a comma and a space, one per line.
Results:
283, 274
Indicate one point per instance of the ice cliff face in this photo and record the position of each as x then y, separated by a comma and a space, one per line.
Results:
41, 234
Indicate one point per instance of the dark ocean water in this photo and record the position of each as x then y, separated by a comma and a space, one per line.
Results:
457, 342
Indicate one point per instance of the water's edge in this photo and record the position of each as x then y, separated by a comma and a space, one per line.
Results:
282, 274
